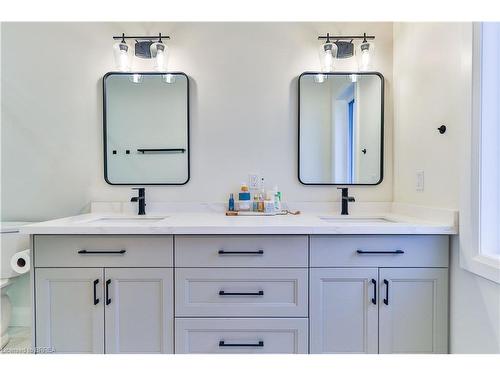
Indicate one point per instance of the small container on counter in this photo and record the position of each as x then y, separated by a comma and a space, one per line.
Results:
255, 203
269, 206
244, 199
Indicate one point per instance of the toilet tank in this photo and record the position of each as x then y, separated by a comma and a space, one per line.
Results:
11, 241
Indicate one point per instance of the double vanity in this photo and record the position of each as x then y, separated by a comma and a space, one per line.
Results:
197, 281
206, 283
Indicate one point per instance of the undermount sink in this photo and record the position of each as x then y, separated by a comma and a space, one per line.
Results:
127, 220
356, 220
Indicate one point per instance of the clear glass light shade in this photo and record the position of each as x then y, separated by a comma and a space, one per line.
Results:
365, 56
168, 78
136, 78
159, 53
121, 56
320, 78
327, 56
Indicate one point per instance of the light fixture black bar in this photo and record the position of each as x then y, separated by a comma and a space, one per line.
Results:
144, 150
345, 37
140, 37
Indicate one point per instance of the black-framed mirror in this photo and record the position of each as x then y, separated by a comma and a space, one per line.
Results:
341, 128
146, 128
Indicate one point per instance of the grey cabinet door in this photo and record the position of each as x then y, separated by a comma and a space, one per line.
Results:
413, 310
69, 315
139, 310
343, 317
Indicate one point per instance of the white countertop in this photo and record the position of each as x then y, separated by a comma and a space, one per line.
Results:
214, 221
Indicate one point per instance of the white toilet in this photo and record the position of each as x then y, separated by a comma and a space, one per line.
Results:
11, 241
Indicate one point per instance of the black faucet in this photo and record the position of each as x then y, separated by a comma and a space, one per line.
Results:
141, 199
345, 200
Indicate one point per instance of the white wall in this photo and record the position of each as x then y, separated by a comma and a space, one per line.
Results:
316, 131
432, 73
243, 110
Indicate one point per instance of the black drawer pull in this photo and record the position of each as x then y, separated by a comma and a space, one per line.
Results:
380, 252
374, 299
96, 300
118, 252
386, 299
260, 344
108, 300
225, 252
259, 293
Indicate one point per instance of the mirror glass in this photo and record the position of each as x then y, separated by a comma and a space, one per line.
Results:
341, 128
146, 128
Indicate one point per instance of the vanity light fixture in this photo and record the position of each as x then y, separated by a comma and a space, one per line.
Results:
366, 49
344, 48
327, 54
146, 47
159, 52
121, 55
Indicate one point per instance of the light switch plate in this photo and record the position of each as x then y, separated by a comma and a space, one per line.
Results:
419, 181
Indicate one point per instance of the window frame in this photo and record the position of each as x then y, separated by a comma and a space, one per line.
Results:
471, 257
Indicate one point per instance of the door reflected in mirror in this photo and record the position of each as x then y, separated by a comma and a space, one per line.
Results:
341, 128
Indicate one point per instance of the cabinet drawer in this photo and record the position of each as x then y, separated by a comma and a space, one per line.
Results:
103, 251
237, 335
222, 292
379, 251
241, 251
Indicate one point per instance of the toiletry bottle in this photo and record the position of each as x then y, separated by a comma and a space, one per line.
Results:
269, 206
277, 199
260, 203
231, 202
255, 203
262, 188
244, 202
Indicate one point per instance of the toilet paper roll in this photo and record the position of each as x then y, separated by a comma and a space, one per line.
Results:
20, 261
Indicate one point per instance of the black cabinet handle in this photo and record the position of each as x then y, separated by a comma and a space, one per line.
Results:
374, 299
90, 252
260, 344
380, 252
108, 300
96, 300
259, 293
386, 299
225, 252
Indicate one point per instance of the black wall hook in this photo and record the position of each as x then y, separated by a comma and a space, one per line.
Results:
442, 129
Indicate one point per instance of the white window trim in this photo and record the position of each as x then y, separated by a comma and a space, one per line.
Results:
471, 258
